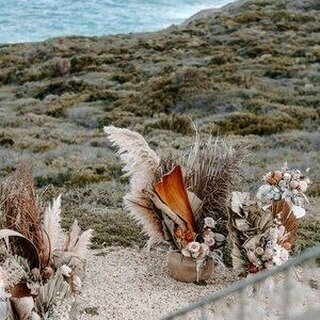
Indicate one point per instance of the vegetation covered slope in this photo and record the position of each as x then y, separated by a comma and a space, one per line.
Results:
250, 70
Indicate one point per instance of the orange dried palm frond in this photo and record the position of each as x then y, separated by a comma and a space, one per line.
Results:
282, 211
21, 209
173, 193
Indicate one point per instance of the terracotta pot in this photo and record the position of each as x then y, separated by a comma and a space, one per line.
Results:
184, 269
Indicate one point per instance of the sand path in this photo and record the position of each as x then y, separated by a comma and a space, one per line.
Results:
132, 284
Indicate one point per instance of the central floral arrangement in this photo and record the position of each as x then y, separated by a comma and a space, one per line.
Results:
180, 199
189, 202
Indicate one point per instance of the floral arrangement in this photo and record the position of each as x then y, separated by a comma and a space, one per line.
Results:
180, 199
289, 185
263, 230
40, 266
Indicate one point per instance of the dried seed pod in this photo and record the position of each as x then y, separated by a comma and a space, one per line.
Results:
47, 273
287, 246
259, 251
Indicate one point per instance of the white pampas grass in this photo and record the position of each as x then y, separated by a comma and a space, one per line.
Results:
72, 236
141, 164
78, 243
140, 161
82, 245
51, 224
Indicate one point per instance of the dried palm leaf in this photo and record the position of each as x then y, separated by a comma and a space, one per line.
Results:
141, 164
52, 226
23, 246
282, 211
51, 293
172, 192
167, 211
22, 211
211, 171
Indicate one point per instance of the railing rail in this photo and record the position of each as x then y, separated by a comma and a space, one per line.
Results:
241, 285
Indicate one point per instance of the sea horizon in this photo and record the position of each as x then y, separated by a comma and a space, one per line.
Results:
39, 20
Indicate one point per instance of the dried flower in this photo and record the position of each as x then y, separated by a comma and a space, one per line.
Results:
281, 255
259, 251
66, 270
287, 176
209, 222
194, 246
209, 241
303, 186
48, 272
294, 184
204, 250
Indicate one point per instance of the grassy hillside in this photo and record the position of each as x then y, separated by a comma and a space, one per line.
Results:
250, 71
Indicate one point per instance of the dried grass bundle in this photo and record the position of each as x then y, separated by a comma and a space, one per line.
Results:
43, 265
212, 170
22, 211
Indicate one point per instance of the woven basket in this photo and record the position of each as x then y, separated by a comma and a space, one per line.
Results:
184, 269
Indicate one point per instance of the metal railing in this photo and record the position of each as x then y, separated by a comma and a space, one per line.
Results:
201, 310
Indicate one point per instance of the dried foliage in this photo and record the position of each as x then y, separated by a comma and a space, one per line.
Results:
22, 211
37, 276
262, 231
184, 195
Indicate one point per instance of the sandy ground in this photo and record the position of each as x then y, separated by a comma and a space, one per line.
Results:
132, 284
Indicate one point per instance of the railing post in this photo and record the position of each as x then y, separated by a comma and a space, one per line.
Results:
286, 295
241, 304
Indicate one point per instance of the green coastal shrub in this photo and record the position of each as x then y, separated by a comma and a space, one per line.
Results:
246, 123
308, 234
176, 123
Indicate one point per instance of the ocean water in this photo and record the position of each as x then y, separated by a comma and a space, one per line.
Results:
38, 20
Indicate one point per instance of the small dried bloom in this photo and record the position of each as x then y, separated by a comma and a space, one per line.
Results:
209, 222
66, 271
294, 184
287, 176
259, 251
281, 255
303, 186
204, 250
194, 246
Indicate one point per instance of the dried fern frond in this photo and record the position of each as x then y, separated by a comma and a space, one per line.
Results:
211, 172
141, 164
21, 210
52, 226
